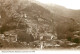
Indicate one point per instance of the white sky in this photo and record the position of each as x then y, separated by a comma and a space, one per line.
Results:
71, 4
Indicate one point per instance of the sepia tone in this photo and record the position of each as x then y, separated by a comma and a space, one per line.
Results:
29, 24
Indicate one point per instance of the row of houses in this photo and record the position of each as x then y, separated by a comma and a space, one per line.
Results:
47, 36
9, 36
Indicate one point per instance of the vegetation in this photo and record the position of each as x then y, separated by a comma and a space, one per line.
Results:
30, 20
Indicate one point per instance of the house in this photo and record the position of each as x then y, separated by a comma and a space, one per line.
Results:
47, 36
2, 36
10, 36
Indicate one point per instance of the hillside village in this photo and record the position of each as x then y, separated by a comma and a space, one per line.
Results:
30, 25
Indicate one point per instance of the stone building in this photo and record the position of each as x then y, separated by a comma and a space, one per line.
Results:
47, 36
2, 36
10, 36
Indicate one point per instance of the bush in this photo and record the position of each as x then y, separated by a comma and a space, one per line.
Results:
76, 40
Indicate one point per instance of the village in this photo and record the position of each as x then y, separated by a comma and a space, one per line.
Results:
31, 25
43, 41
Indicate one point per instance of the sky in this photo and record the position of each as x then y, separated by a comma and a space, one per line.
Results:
70, 4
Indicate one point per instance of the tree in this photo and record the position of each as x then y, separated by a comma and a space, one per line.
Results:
11, 15
25, 37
